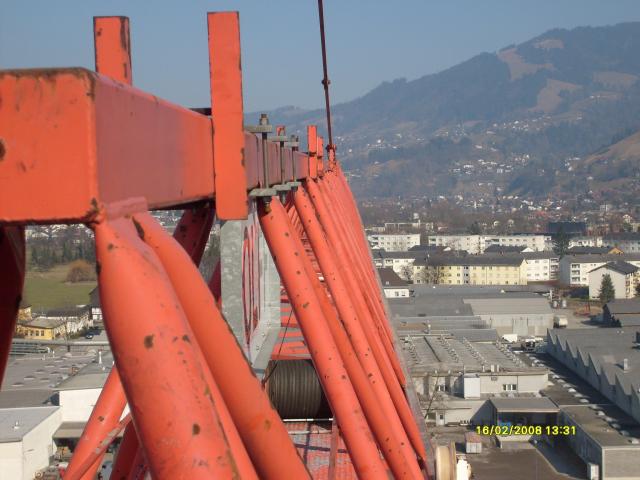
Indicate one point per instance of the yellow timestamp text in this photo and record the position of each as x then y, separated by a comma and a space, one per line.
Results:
506, 430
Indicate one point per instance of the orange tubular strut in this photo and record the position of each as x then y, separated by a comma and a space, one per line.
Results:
324, 353
260, 427
154, 355
381, 419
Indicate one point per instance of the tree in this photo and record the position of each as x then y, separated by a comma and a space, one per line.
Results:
607, 292
430, 274
80, 271
561, 242
474, 229
406, 272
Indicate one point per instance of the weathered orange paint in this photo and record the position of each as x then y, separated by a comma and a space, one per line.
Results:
390, 435
260, 427
97, 141
226, 110
324, 352
104, 418
354, 350
158, 364
113, 47
312, 149
126, 454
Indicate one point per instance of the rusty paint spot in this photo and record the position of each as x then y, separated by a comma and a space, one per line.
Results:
305, 304
139, 228
286, 234
148, 341
175, 339
297, 272
267, 425
101, 418
3, 150
111, 246
195, 429
185, 338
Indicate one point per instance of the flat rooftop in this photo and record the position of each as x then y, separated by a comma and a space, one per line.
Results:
524, 404
15, 423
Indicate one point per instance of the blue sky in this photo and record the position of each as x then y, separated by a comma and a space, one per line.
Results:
368, 41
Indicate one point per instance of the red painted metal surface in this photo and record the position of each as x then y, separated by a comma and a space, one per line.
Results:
226, 104
101, 142
325, 354
12, 269
113, 47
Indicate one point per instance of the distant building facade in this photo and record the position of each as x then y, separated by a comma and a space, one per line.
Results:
624, 277
477, 244
471, 270
574, 269
394, 241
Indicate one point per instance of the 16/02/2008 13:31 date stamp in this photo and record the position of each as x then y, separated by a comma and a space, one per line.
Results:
506, 430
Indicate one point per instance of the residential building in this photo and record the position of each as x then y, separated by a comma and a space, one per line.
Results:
624, 277
574, 269
541, 266
470, 270
628, 242
42, 328
394, 241
392, 284
477, 244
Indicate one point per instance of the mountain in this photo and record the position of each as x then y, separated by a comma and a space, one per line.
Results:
515, 119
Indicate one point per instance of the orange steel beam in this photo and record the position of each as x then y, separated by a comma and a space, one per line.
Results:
391, 436
380, 419
320, 155
113, 47
322, 347
312, 148
99, 451
193, 229
113, 58
12, 266
360, 267
355, 286
107, 145
104, 418
126, 455
260, 427
226, 110
158, 363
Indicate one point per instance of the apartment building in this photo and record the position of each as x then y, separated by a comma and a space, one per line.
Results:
477, 244
624, 277
628, 242
471, 270
574, 269
400, 242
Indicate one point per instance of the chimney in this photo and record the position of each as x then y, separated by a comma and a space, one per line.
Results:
625, 364
99, 357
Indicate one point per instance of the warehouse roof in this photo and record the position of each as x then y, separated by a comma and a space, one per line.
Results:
623, 306
506, 305
15, 423
524, 405
602, 258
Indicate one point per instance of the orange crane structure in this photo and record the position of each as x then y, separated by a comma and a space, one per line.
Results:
85, 147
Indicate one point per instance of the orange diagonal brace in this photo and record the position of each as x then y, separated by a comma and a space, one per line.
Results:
125, 457
324, 353
104, 417
312, 147
12, 267
226, 110
391, 433
157, 362
260, 427
193, 229
381, 416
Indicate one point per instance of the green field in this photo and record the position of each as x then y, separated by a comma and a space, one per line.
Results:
48, 289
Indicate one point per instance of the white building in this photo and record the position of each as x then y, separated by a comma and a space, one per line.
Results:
627, 242
476, 244
26, 440
392, 284
624, 277
541, 266
574, 269
394, 241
